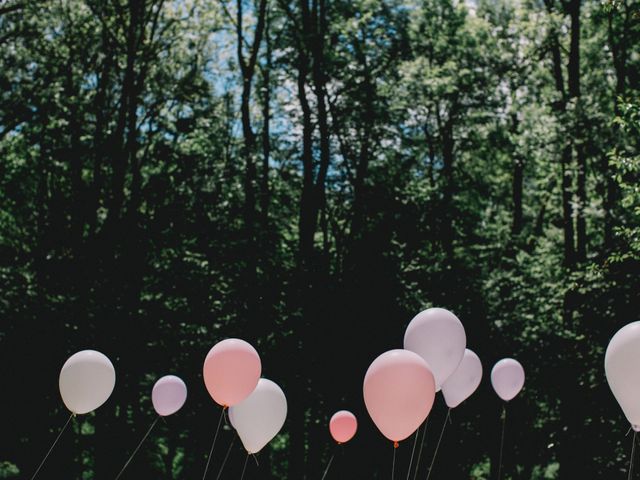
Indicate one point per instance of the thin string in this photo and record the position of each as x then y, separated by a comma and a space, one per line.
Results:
53, 445
435, 454
224, 462
393, 465
245, 466
504, 421
255, 457
213, 444
226, 419
326, 470
413, 450
422, 445
138, 447
633, 452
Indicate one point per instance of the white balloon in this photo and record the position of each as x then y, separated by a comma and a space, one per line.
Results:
260, 416
438, 337
507, 378
621, 364
464, 381
86, 381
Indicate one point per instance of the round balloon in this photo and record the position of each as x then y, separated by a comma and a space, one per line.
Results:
86, 381
464, 381
507, 378
231, 371
168, 395
259, 417
621, 363
438, 337
343, 426
399, 390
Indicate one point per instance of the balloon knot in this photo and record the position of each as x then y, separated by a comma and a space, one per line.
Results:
224, 407
339, 443
396, 444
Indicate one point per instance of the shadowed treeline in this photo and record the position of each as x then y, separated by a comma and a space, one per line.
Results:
308, 175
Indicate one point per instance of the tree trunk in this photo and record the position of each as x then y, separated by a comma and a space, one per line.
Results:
517, 183
448, 160
560, 107
618, 46
266, 133
248, 68
577, 136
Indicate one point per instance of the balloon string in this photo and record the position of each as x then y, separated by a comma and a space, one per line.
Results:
504, 421
225, 414
393, 465
53, 445
435, 454
326, 470
138, 447
255, 457
422, 445
413, 450
213, 444
633, 452
224, 462
244, 467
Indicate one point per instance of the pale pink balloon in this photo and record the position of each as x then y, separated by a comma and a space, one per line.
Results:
399, 390
507, 378
464, 381
168, 395
343, 426
231, 371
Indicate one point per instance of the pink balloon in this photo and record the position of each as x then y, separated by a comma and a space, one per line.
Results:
399, 390
343, 426
507, 378
231, 371
168, 395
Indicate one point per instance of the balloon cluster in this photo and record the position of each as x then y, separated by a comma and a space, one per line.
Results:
257, 406
232, 369
400, 385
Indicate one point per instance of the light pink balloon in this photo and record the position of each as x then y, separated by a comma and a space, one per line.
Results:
464, 381
343, 426
507, 378
399, 390
231, 371
168, 395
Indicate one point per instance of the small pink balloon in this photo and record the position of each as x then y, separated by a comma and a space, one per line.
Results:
399, 390
168, 395
231, 371
507, 378
343, 426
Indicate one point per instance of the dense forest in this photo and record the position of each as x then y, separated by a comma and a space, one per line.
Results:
308, 175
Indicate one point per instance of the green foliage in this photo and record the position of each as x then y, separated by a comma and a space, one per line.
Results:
140, 216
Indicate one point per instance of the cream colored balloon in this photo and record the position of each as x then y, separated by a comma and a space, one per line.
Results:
621, 365
86, 381
260, 416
